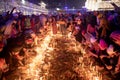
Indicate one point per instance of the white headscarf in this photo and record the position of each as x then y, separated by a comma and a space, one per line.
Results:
110, 50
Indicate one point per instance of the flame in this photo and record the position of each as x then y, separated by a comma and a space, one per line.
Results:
89, 72
33, 70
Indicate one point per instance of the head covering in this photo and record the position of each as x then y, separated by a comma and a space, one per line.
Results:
110, 50
92, 39
102, 44
77, 28
115, 36
15, 15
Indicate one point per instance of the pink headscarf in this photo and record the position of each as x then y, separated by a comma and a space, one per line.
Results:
115, 36
102, 44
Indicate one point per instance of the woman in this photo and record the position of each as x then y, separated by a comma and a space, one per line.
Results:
104, 30
54, 26
91, 30
78, 30
62, 26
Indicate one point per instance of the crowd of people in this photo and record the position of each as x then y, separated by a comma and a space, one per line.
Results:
97, 31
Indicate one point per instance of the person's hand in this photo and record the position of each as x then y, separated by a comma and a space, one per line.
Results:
102, 56
22, 67
109, 67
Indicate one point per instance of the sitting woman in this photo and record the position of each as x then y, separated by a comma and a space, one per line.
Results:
78, 30
94, 48
115, 38
91, 30
111, 59
97, 50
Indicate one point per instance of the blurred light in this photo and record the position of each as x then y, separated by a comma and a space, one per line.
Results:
57, 9
43, 5
73, 8
23, 1
66, 7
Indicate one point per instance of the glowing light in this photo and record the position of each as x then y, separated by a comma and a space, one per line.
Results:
89, 5
34, 68
57, 9
23, 1
69, 34
43, 5
100, 4
66, 7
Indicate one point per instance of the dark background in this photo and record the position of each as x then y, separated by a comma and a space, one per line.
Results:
77, 4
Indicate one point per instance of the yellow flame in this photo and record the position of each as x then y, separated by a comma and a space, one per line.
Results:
88, 71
